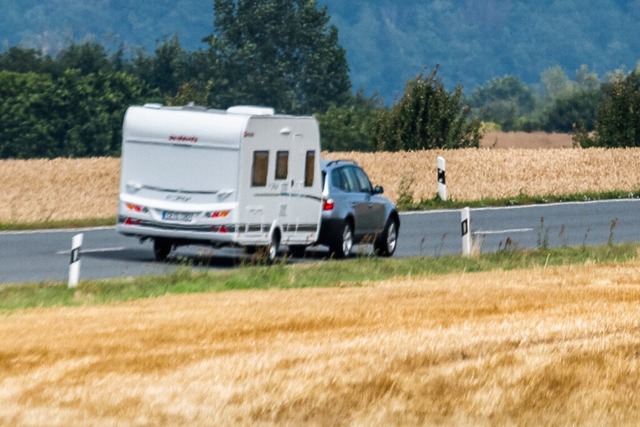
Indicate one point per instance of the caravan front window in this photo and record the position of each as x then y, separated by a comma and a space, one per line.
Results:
260, 168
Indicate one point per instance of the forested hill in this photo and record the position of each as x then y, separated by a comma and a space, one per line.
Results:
387, 41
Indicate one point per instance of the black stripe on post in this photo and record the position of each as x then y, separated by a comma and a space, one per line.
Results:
441, 176
465, 227
75, 255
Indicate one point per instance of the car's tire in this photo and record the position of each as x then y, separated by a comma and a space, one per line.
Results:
161, 249
343, 243
297, 251
387, 241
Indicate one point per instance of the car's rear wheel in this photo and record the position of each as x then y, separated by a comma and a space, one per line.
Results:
386, 242
161, 249
343, 243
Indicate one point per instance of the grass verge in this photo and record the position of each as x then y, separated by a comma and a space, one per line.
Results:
356, 272
408, 204
51, 225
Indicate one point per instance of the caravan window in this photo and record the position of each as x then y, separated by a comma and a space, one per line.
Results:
282, 165
260, 168
309, 170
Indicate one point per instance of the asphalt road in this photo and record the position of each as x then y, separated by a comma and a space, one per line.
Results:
43, 256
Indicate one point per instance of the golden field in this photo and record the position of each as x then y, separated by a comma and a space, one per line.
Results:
63, 189
548, 346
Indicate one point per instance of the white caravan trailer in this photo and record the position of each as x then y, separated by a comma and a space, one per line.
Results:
244, 177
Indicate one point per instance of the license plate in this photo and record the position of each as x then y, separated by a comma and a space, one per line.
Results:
177, 216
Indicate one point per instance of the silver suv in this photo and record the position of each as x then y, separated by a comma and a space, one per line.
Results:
354, 211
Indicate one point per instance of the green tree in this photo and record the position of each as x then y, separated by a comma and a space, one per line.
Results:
587, 80
556, 84
90, 110
349, 127
88, 57
618, 119
27, 60
170, 66
165, 71
569, 105
26, 125
74, 116
503, 101
280, 53
575, 111
426, 117
193, 92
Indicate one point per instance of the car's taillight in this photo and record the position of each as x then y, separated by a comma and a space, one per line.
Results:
328, 204
131, 221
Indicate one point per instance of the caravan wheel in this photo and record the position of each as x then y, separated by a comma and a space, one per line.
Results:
272, 249
267, 254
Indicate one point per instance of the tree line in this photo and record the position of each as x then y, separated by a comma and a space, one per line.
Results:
285, 54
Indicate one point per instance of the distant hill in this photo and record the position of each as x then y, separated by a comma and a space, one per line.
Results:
51, 24
387, 41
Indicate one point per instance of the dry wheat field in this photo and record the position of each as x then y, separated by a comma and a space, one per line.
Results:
548, 346
65, 189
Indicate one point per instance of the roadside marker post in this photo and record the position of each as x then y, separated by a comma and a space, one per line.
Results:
466, 231
74, 265
442, 180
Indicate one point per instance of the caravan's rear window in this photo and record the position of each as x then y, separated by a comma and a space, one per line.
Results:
309, 170
260, 168
282, 165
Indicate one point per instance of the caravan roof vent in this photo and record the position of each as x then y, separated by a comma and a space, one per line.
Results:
153, 105
193, 107
251, 110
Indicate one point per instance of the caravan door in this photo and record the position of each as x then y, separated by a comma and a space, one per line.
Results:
305, 192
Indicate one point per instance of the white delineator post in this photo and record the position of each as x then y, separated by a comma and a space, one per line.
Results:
74, 266
466, 231
442, 180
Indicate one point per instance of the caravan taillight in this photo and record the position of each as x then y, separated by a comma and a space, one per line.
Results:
136, 208
220, 214
328, 204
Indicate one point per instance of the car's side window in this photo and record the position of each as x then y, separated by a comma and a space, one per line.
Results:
364, 185
351, 179
339, 180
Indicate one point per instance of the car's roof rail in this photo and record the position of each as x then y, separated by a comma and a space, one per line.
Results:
339, 161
